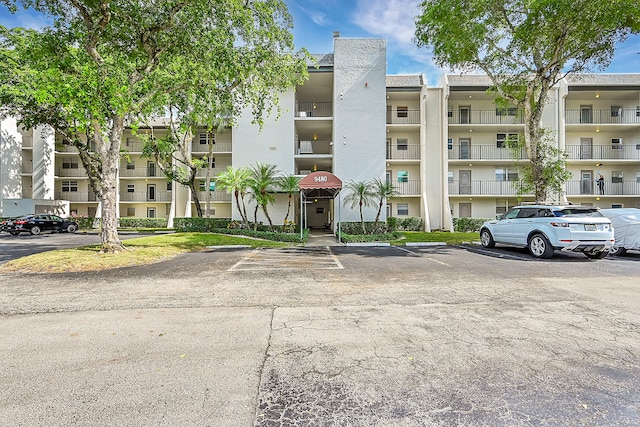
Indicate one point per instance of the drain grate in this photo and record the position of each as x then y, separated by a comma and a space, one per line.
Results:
290, 258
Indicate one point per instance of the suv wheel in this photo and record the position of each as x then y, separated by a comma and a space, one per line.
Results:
486, 239
618, 251
35, 230
596, 255
540, 247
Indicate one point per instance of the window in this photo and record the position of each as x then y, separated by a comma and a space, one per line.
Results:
69, 164
617, 206
502, 139
616, 177
403, 176
616, 111
151, 212
131, 188
506, 174
403, 144
131, 211
202, 187
402, 111
450, 144
131, 166
70, 186
450, 177
204, 138
506, 111
169, 185
450, 113
319, 210
616, 143
403, 209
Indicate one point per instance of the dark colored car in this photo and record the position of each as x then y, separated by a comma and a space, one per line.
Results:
36, 224
5, 224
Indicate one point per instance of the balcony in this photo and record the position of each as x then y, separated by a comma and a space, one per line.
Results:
403, 152
27, 142
216, 196
145, 196
77, 196
409, 188
484, 117
603, 116
218, 147
314, 147
132, 146
483, 187
314, 109
71, 172
483, 152
589, 188
140, 172
604, 152
408, 117
202, 173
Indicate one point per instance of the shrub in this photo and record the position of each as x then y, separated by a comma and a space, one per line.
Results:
202, 224
467, 224
143, 222
405, 224
84, 222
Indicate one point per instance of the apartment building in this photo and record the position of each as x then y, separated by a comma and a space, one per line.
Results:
594, 118
444, 148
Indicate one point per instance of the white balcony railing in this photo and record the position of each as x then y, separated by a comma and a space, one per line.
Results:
603, 116
483, 152
604, 152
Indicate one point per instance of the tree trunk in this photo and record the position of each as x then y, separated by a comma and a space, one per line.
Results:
109, 195
196, 200
286, 217
364, 230
236, 193
255, 217
378, 213
264, 209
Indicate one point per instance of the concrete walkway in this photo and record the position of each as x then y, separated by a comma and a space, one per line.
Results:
322, 238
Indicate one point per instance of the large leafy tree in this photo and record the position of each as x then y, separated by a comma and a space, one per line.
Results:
526, 47
104, 65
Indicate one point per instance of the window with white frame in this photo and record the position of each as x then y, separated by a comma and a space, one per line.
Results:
203, 138
616, 177
450, 177
616, 143
403, 144
402, 209
151, 212
169, 185
70, 163
131, 166
131, 188
638, 177
402, 111
502, 139
617, 206
506, 174
403, 176
69, 186
450, 144
616, 111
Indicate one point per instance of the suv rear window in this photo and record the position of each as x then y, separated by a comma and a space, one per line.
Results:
578, 212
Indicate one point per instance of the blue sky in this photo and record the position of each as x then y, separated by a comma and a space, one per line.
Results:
316, 20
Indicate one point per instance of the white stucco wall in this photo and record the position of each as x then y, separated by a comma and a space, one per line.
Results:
43, 163
359, 125
10, 161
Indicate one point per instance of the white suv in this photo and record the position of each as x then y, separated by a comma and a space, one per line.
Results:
544, 228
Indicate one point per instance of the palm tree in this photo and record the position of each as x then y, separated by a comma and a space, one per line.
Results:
236, 181
263, 183
359, 193
290, 184
382, 189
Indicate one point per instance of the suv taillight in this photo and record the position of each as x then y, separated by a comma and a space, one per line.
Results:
560, 224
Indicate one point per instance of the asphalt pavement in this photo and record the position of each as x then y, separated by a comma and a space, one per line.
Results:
345, 336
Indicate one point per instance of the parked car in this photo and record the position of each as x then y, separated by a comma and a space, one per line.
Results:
5, 224
545, 228
626, 224
35, 224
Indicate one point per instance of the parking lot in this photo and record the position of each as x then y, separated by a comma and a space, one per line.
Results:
362, 336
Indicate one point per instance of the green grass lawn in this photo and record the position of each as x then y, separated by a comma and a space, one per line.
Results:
454, 238
143, 250
150, 249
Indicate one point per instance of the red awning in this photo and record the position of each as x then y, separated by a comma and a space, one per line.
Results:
321, 184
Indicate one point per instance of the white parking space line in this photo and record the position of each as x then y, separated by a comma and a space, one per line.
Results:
270, 259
